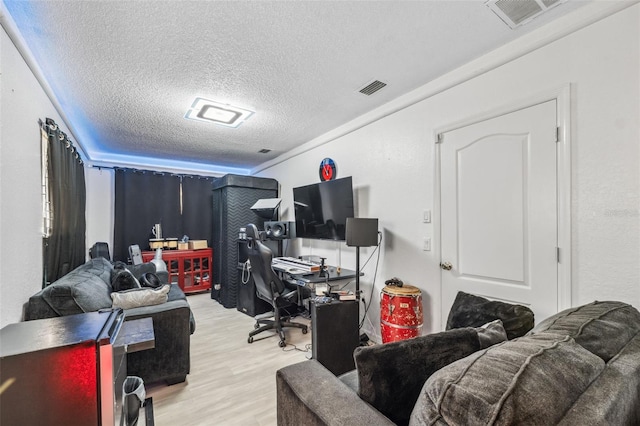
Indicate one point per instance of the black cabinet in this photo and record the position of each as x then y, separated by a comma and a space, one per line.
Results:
335, 334
233, 196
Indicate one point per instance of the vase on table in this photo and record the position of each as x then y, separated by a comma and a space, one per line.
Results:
157, 260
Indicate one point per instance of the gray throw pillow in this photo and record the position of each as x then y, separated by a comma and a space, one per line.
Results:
85, 289
532, 380
491, 333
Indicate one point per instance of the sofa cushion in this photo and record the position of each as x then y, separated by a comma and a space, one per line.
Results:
391, 375
138, 297
531, 380
469, 310
85, 289
614, 398
587, 324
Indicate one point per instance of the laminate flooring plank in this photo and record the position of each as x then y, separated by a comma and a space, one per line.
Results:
231, 382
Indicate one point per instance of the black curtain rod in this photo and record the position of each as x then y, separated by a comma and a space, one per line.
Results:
50, 125
130, 169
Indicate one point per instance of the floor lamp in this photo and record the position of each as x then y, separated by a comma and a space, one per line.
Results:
361, 232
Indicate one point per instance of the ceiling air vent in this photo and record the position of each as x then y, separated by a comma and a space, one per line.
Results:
264, 151
372, 87
519, 12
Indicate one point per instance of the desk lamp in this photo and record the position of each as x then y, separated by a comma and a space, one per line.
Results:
361, 232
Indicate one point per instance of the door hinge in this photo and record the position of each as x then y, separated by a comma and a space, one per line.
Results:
439, 138
558, 132
558, 254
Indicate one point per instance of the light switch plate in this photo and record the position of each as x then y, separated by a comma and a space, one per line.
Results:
426, 245
426, 216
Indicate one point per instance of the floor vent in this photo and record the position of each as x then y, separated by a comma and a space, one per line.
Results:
519, 12
372, 87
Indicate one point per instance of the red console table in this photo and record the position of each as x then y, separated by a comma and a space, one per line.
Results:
190, 269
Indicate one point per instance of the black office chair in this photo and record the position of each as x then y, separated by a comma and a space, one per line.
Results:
269, 287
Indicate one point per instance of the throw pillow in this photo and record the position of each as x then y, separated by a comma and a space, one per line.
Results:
531, 380
491, 333
469, 310
391, 375
140, 297
123, 279
85, 289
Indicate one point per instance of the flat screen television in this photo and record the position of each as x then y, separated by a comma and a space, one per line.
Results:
321, 209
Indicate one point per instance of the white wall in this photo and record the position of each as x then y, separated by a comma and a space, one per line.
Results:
22, 103
392, 164
100, 206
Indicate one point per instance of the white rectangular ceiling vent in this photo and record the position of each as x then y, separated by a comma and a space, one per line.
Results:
519, 12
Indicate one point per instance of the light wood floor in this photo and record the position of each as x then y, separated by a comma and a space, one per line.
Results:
231, 382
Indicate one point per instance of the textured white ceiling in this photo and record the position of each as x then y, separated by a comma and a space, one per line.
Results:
126, 72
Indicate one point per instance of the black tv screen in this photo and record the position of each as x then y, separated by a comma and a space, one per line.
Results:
322, 209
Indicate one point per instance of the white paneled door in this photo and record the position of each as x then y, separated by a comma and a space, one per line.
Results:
499, 215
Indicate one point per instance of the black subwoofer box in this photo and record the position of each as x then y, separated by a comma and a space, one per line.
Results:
334, 334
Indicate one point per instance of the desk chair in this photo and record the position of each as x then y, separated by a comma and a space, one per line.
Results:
269, 287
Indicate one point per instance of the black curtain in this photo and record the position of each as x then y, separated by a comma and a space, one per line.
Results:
65, 246
142, 199
197, 208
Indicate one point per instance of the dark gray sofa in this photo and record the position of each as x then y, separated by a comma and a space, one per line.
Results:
88, 288
580, 366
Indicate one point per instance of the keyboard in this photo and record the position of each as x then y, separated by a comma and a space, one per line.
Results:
295, 263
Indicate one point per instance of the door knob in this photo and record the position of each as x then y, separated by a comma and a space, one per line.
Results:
446, 266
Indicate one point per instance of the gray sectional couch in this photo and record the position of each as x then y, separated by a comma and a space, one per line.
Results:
88, 288
578, 367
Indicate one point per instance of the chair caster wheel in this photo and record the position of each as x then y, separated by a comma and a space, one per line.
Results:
250, 339
304, 330
282, 343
